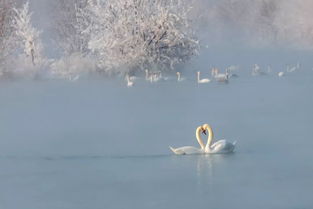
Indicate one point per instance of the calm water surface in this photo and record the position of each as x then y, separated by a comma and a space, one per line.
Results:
97, 144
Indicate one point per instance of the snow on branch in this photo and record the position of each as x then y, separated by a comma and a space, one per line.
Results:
28, 40
69, 26
127, 35
7, 40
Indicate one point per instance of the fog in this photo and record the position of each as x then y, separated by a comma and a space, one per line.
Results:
94, 143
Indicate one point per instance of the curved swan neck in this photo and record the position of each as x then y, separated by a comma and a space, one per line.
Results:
178, 76
210, 137
198, 76
198, 136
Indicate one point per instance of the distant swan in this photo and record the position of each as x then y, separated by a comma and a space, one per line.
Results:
204, 80
294, 68
129, 82
188, 150
256, 70
221, 146
281, 74
74, 78
221, 77
179, 78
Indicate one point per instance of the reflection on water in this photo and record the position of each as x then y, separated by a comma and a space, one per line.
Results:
205, 168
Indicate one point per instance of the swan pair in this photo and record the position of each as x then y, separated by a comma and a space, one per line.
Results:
221, 146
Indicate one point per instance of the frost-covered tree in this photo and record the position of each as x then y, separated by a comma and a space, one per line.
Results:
131, 35
29, 43
69, 25
7, 41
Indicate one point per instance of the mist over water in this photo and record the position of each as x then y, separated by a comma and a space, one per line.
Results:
94, 143
258, 24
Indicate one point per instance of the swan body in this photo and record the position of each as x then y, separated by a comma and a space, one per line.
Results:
187, 150
281, 74
204, 80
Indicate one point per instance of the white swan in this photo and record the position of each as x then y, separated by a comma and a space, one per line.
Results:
281, 74
148, 76
154, 76
294, 68
73, 78
256, 70
187, 150
179, 78
221, 146
204, 80
129, 82
221, 77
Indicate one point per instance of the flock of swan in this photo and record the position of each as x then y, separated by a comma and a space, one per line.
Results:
221, 146
157, 76
216, 75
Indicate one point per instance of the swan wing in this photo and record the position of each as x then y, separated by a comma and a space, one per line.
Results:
186, 150
223, 146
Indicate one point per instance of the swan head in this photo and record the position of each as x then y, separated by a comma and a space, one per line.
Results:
204, 127
203, 130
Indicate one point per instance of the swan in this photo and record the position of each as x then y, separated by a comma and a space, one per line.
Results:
154, 76
281, 74
204, 80
221, 146
257, 70
74, 78
188, 150
129, 82
148, 76
230, 71
221, 77
179, 78
294, 68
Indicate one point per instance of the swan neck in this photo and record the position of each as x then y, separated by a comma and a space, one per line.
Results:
178, 76
210, 138
147, 74
199, 139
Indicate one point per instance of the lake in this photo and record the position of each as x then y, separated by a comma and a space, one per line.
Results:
96, 144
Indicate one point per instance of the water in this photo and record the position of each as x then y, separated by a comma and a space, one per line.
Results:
96, 144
